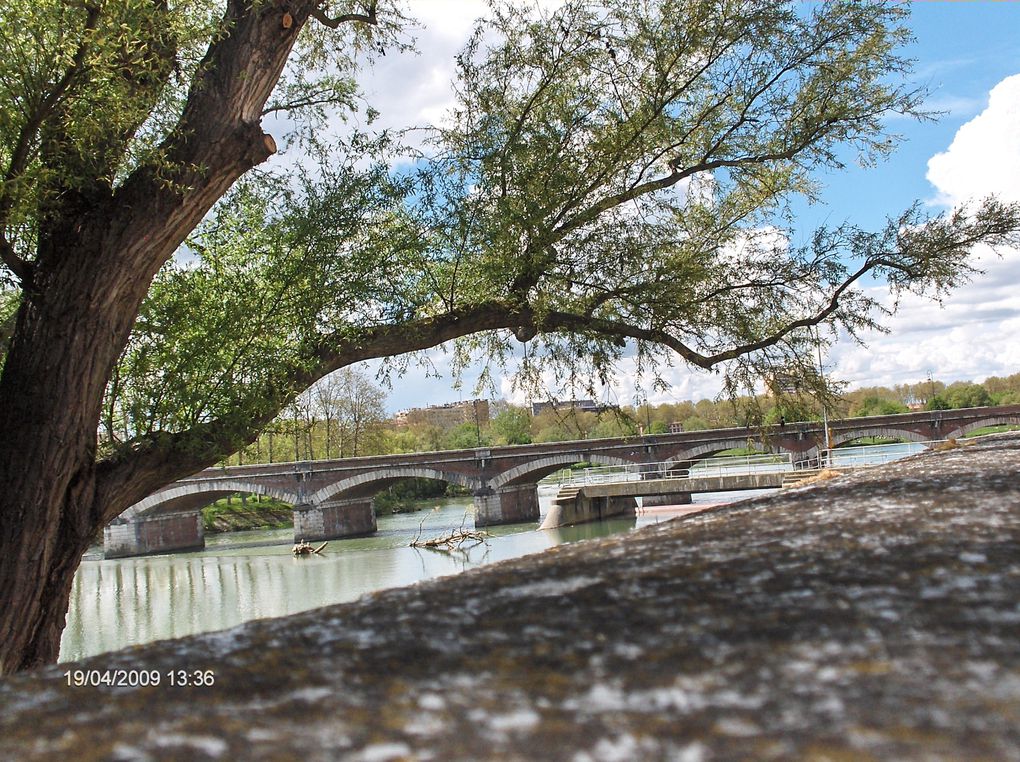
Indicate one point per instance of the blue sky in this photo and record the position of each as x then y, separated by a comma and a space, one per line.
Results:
963, 51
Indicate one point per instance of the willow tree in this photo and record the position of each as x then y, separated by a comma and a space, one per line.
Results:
613, 172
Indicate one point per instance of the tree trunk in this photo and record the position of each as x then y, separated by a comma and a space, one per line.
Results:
98, 250
51, 393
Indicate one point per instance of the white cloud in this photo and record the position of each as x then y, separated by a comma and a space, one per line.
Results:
984, 157
417, 89
976, 333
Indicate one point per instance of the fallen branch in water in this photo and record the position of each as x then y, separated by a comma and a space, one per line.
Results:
453, 540
305, 549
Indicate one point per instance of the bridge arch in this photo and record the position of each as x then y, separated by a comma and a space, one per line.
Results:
708, 449
528, 473
990, 421
190, 496
364, 483
890, 432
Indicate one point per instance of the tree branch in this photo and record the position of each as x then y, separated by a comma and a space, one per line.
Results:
22, 270
149, 462
333, 23
23, 149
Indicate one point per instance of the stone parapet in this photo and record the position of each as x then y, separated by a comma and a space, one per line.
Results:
873, 616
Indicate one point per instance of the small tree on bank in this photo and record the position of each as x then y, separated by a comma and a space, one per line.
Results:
612, 173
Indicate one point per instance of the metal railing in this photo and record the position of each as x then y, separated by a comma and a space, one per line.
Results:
736, 465
863, 456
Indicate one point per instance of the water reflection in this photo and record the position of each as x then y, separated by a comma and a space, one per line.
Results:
250, 575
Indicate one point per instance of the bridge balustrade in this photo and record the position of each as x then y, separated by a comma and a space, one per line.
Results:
734, 465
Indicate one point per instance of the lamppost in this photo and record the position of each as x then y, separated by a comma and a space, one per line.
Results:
825, 413
639, 401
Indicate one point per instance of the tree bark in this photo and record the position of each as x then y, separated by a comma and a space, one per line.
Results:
94, 265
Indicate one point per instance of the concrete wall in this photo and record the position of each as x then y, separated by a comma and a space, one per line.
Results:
677, 498
581, 509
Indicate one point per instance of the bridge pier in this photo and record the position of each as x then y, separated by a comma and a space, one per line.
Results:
334, 519
571, 508
516, 504
147, 535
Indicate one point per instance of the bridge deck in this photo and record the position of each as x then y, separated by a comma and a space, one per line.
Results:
734, 483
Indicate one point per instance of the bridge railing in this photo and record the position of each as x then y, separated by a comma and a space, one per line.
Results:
736, 465
863, 456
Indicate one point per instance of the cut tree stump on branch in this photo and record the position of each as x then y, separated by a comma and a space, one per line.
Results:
305, 549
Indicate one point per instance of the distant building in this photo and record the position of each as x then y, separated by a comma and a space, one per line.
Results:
445, 416
676, 428
584, 406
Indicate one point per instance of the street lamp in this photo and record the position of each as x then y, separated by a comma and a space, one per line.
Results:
825, 413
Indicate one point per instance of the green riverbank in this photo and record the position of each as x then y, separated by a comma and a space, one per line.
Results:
237, 514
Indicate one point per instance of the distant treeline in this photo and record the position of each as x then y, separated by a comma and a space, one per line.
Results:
329, 426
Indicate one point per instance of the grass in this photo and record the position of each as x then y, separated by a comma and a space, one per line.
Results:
996, 429
268, 513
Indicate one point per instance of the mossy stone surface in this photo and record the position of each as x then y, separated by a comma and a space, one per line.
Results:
874, 616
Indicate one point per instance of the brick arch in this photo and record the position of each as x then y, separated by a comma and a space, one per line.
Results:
990, 421
531, 472
707, 450
842, 437
361, 483
190, 496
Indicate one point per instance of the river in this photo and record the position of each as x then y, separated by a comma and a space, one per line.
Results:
249, 575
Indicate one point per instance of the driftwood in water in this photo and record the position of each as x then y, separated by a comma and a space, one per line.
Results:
449, 542
305, 549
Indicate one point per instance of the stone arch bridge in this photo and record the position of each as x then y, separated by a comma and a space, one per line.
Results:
333, 498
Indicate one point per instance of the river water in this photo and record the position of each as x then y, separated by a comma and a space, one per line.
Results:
250, 575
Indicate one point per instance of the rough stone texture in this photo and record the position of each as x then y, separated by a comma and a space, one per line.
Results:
875, 616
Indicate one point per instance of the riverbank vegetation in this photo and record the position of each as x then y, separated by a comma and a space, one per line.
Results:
411, 495
241, 512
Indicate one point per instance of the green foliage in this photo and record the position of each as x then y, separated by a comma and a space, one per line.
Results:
792, 408
938, 403
999, 429
240, 512
406, 495
1004, 391
464, 437
615, 176
878, 406
961, 394
512, 426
